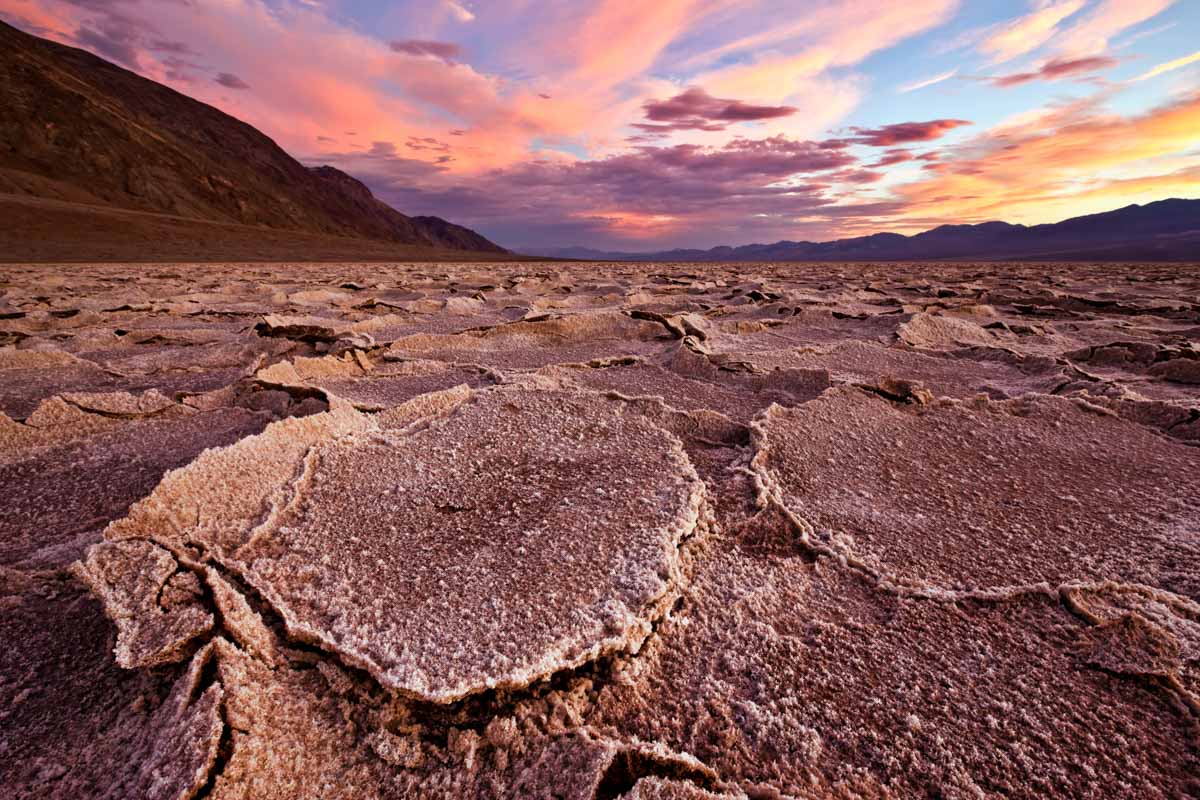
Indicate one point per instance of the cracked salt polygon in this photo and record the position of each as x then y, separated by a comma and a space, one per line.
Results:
442, 556
972, 501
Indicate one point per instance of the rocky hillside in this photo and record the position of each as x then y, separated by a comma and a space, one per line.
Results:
80, 129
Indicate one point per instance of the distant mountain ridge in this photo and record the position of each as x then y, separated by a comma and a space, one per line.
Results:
1166, 230
77, 128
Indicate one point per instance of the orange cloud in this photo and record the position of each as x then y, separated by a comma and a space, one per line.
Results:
632, 225
1040, 168
619, 40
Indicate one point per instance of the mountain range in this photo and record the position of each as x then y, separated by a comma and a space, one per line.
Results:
1167, 230
116, 159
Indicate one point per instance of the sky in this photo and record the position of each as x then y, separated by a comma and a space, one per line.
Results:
631, 125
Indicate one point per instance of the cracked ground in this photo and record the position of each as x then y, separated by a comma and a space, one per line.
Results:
599, 531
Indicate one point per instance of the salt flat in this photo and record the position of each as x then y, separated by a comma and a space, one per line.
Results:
599, 530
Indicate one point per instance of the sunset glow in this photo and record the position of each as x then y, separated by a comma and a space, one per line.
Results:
691, 122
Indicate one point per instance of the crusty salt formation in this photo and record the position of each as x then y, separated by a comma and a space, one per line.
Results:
372, 384
984, 495
521, 534
538, 340
157, 608
599, 531
807, 680
693, 381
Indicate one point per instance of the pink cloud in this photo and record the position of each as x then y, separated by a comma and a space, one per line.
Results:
1056, 69
892, 157
427, 143
1069, 28
682, 190
905, 132
857, 176
113, 39
829, 32
446, 51
696, 109
613, 40
697, 103
312, 75
231, 81
535, 149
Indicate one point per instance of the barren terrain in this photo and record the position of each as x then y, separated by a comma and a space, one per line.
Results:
352, 530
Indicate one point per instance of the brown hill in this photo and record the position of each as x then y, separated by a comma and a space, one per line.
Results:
79, 129
41, 230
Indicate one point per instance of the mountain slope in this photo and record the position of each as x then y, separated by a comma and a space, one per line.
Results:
41, 230
79, 129
1167, 230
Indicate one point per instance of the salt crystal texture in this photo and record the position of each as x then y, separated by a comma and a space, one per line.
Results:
593, 531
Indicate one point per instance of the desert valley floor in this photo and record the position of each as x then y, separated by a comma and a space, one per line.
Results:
595, 531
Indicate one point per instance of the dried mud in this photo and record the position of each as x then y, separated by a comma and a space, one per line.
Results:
599, 531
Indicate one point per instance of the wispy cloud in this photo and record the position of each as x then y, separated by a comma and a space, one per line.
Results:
1137, 36
1091, 35
1070, 28
1027, 33
1169, 66
922, 84
459, 11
